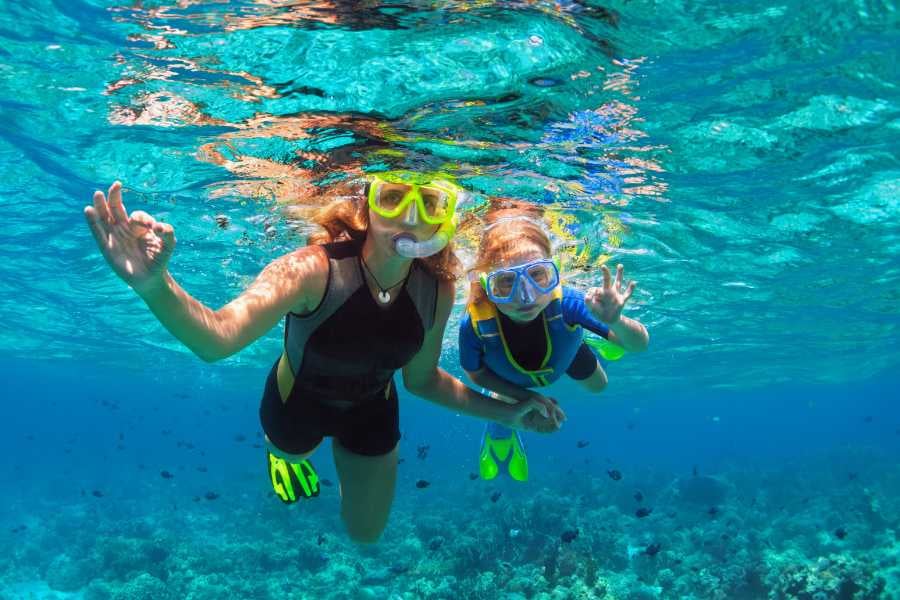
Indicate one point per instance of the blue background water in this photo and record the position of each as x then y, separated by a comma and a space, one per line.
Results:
739, 158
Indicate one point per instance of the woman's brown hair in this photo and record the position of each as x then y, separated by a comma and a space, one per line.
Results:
510, 226
349, 220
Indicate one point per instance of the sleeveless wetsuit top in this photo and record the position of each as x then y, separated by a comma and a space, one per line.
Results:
345, 352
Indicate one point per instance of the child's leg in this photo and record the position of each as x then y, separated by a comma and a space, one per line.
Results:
587, 370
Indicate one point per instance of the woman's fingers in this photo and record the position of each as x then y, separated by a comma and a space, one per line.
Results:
630, 289
116, 207
606, 277
166, 232
97, 225
101, 207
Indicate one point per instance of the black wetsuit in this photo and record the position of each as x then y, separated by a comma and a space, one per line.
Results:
344, 355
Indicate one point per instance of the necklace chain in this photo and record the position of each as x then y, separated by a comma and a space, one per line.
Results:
384, 295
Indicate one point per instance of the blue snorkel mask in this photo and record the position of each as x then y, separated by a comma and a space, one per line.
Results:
523, 283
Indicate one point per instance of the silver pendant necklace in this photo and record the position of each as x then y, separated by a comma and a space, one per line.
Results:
384, 295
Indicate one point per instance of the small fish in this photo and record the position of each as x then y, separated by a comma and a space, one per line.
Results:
222, 221
422, 484
496, 496
544, 82
713, 511
582, 443
840, 533
852, 476
569, 535
422, 451
196, 498
18, 529
638, 496
202, 469
121, 436
320, 539
473, 476
695, 471
652, 549
643, 512
398, 569
97, 494
326, 482
614, 474
211, 495
631, 425
400, 461
166, 475
240, 438
868, 419
255, 445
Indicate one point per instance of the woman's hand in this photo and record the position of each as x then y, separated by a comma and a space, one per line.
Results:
136, 247
606, 303
538, 413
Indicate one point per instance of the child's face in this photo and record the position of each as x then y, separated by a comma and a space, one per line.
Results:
524, 309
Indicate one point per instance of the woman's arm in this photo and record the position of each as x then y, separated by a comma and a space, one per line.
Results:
424, 378
137, 247
295, 281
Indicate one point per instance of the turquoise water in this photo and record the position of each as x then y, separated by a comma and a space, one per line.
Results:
740, 158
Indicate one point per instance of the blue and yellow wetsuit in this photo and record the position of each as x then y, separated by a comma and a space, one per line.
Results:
532, 354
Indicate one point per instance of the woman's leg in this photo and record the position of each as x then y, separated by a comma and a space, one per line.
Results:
367, 491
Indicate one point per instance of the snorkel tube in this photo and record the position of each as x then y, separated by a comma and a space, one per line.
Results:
408, 247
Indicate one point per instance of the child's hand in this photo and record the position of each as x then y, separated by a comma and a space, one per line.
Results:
606, 303
137, 247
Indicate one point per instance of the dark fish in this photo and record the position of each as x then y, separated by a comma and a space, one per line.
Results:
196, 498
473, 476
638, 496
868, 419
18, 529
97, 494
496, 496
222, 221
631, 425
643, 512
166, 431
240, 438
614, 474
582, 443
422, 484
422, 451
257, 445
121, 436
852, 476
166, 475
652, 549
326, 482
840, 533
400, 461
321, 539
211, 495
398, 569
569, 535
202, 469
713, 511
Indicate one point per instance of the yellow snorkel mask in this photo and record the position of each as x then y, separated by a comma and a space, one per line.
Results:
416, 195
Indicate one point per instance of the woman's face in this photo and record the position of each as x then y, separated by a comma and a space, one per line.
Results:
528, 308
383, 230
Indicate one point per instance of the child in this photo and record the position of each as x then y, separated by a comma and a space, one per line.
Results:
524, 329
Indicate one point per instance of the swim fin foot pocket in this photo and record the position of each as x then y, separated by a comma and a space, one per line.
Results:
292, 481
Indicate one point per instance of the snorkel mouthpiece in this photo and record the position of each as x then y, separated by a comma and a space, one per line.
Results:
408, 247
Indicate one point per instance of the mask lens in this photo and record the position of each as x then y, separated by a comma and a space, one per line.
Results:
543, 275
391, 195
501, 284
435, 201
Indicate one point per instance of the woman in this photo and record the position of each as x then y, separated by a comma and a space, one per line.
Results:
524, 329
373, 299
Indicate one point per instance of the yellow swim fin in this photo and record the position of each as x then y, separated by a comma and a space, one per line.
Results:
292, 481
